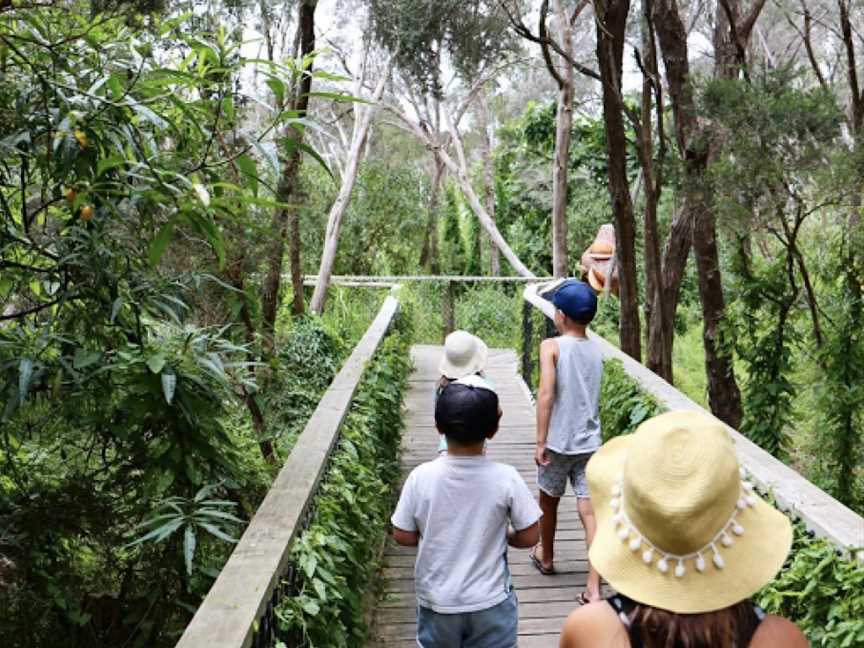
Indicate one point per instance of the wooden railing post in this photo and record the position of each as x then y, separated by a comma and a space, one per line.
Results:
449, 309
527, 343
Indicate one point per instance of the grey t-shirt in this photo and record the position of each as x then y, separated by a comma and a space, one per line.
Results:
574, 427
461, 507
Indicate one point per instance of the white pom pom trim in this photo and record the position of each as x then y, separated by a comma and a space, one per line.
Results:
630, 534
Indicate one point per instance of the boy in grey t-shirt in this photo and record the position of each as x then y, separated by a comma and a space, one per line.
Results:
457, 509
568, 421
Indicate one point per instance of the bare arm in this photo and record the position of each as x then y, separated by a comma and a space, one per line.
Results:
406, 538
526, 538
545, 396
593, 625
777, 632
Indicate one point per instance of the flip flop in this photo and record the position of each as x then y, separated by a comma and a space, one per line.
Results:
582, 599
546, 571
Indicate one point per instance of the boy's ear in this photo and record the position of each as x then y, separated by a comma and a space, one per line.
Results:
491, 433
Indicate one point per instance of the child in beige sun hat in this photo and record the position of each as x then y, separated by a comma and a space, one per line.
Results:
685, 541
464, 355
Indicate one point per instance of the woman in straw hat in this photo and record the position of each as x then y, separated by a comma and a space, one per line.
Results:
684, 540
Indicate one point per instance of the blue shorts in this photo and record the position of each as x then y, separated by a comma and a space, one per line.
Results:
495, 627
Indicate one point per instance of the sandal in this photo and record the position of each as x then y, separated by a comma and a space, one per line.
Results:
582, 599
546, 571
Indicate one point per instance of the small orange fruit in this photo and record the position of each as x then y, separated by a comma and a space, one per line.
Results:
71, 194
81, 136
86, 213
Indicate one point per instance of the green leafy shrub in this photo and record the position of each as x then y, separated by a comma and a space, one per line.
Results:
337, 557
623, 406
821, 590
492, 311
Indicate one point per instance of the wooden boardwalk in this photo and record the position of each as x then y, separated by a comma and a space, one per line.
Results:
544, 601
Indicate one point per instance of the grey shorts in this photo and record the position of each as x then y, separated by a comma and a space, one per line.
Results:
552, 479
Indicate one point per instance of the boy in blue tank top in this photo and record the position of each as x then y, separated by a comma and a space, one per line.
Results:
568, 421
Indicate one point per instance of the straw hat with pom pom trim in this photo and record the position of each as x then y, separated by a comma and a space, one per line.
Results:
678, 525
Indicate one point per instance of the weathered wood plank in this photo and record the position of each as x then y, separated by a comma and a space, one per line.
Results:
240, 594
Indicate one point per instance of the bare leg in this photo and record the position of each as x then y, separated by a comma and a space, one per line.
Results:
548, 524
586, 514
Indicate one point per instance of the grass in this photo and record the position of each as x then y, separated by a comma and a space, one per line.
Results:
688, 360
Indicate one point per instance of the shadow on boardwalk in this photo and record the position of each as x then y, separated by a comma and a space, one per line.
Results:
544, 601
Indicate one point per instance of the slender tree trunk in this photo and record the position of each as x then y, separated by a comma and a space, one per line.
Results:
611, 21
652, 179
724, 396
337, 211
661, 332
489, 179
286, 221
298, 305
235, 273
561, 163
429, 251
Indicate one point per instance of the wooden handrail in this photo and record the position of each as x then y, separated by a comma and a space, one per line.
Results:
397, 279
239, 598
822, 514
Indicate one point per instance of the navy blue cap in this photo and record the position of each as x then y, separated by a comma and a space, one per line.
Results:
577, 300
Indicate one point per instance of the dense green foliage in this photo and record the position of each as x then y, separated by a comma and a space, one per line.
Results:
97, 576
338, 556
423, 34
821, 590
623, 406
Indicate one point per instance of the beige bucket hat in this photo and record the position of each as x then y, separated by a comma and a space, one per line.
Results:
678, 525
464, 354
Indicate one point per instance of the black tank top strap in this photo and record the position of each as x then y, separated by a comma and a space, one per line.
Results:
623, 607
750, 626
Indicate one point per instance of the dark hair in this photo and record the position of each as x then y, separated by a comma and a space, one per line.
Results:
466, 414
585, 319
719, 629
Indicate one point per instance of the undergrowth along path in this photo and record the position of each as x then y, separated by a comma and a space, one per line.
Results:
544, 601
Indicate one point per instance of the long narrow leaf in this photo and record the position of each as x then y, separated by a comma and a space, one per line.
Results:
216, 531
189, 542
25, 373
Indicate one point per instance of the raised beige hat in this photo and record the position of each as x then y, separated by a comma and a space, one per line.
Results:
464, 354
678, 525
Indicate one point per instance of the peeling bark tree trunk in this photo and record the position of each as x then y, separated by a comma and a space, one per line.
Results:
286, 221
611, 26
337, 211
